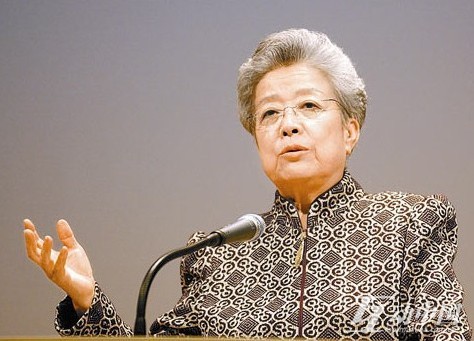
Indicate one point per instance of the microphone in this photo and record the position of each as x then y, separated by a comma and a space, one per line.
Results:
246, 228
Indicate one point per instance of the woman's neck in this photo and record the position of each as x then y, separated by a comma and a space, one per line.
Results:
304, 193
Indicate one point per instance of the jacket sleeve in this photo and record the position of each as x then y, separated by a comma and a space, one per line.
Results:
432, 297
100, 319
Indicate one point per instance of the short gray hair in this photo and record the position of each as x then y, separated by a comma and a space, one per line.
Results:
294, 46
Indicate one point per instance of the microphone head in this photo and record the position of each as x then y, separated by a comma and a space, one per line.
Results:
256, 221
246, 228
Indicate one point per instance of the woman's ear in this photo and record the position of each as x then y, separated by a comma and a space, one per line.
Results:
351, 134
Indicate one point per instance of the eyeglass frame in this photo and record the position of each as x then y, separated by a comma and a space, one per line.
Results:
296, 110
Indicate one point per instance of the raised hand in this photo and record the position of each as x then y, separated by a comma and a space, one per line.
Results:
69, 268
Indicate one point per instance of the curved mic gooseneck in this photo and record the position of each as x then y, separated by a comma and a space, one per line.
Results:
247, 227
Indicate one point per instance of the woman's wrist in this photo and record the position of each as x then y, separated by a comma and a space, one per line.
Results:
83, 303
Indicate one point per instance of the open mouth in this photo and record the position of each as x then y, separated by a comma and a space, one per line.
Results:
293, 149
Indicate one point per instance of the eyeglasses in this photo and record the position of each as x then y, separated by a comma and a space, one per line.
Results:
308, 109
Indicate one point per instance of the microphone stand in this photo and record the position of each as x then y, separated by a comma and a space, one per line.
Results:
214, 239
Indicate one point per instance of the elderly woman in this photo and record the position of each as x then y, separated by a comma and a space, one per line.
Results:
333, 262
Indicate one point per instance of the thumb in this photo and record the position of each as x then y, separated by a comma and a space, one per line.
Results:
65, 234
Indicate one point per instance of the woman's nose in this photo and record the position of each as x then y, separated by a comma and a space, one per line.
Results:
290, 122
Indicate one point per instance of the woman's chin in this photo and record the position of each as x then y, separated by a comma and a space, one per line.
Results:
292, 179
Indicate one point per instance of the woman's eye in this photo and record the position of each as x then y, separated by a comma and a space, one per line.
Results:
310, 105
269, 113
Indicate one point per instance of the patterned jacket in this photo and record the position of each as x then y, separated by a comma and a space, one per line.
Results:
371, 266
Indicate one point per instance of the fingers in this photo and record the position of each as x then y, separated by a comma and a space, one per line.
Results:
41, 251
46, 263
59, 268
55, 269
32, 249
28, 225
65, 234
62, 257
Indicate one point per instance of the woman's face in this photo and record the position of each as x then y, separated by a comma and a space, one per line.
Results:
296, 150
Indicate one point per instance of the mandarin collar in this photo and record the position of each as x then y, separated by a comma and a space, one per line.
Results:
339, 196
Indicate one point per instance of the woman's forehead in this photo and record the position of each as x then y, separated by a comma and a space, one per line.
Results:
290, 82
298, 92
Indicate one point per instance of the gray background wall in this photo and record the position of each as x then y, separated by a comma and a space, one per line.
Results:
120, 116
